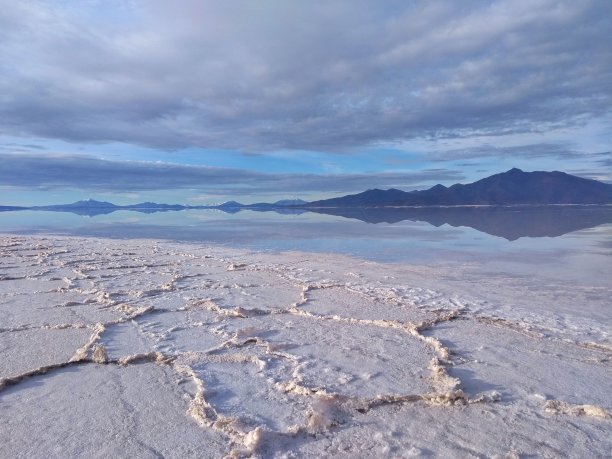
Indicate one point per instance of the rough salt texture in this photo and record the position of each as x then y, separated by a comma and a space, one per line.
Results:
146, 349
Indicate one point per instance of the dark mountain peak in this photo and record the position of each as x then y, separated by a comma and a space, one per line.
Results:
87, 207
152, 207
231, 204
11, 208
290, 202
514, 187
145, 204
91, 203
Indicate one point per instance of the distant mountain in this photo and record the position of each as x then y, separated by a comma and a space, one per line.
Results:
229, 204
91, 207
514, 187
284, 206
88, 207
290, 202
258, 205
85, 204
229, 207
152, 207
11, 208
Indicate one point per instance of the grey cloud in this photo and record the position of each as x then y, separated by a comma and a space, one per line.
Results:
300, 75
541, 150
594, 174
93, 174
21, 146
606, 162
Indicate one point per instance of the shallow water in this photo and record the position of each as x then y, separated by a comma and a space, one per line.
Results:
562, 244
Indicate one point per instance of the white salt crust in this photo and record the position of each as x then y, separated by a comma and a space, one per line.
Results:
145, 349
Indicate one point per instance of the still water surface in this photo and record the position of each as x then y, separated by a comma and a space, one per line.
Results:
573, 244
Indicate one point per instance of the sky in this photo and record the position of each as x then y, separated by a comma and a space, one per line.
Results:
198, 102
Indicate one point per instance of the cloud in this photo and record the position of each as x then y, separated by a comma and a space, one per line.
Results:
540, 150
606, 162
52, 171
317, 75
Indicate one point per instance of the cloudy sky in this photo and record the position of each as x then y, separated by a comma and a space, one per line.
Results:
199, 101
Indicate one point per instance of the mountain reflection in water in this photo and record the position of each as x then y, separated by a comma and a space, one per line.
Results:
511, 223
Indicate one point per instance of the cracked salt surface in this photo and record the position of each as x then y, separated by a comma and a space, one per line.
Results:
103, 411
148, 349
524, 367
362, 360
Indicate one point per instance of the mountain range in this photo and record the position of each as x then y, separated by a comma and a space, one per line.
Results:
513, 187
511, 205
510, 188
91, 207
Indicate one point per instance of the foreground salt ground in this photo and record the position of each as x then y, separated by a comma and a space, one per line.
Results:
144, 349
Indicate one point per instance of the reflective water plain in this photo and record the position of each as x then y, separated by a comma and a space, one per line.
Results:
573, 243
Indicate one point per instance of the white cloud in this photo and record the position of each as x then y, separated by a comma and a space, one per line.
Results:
323, 75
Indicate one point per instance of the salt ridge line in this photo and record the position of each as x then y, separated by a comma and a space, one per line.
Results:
439, 375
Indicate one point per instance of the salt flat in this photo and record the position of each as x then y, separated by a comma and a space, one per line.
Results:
141, 348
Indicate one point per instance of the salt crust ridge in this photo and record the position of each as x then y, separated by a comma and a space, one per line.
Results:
102, 276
